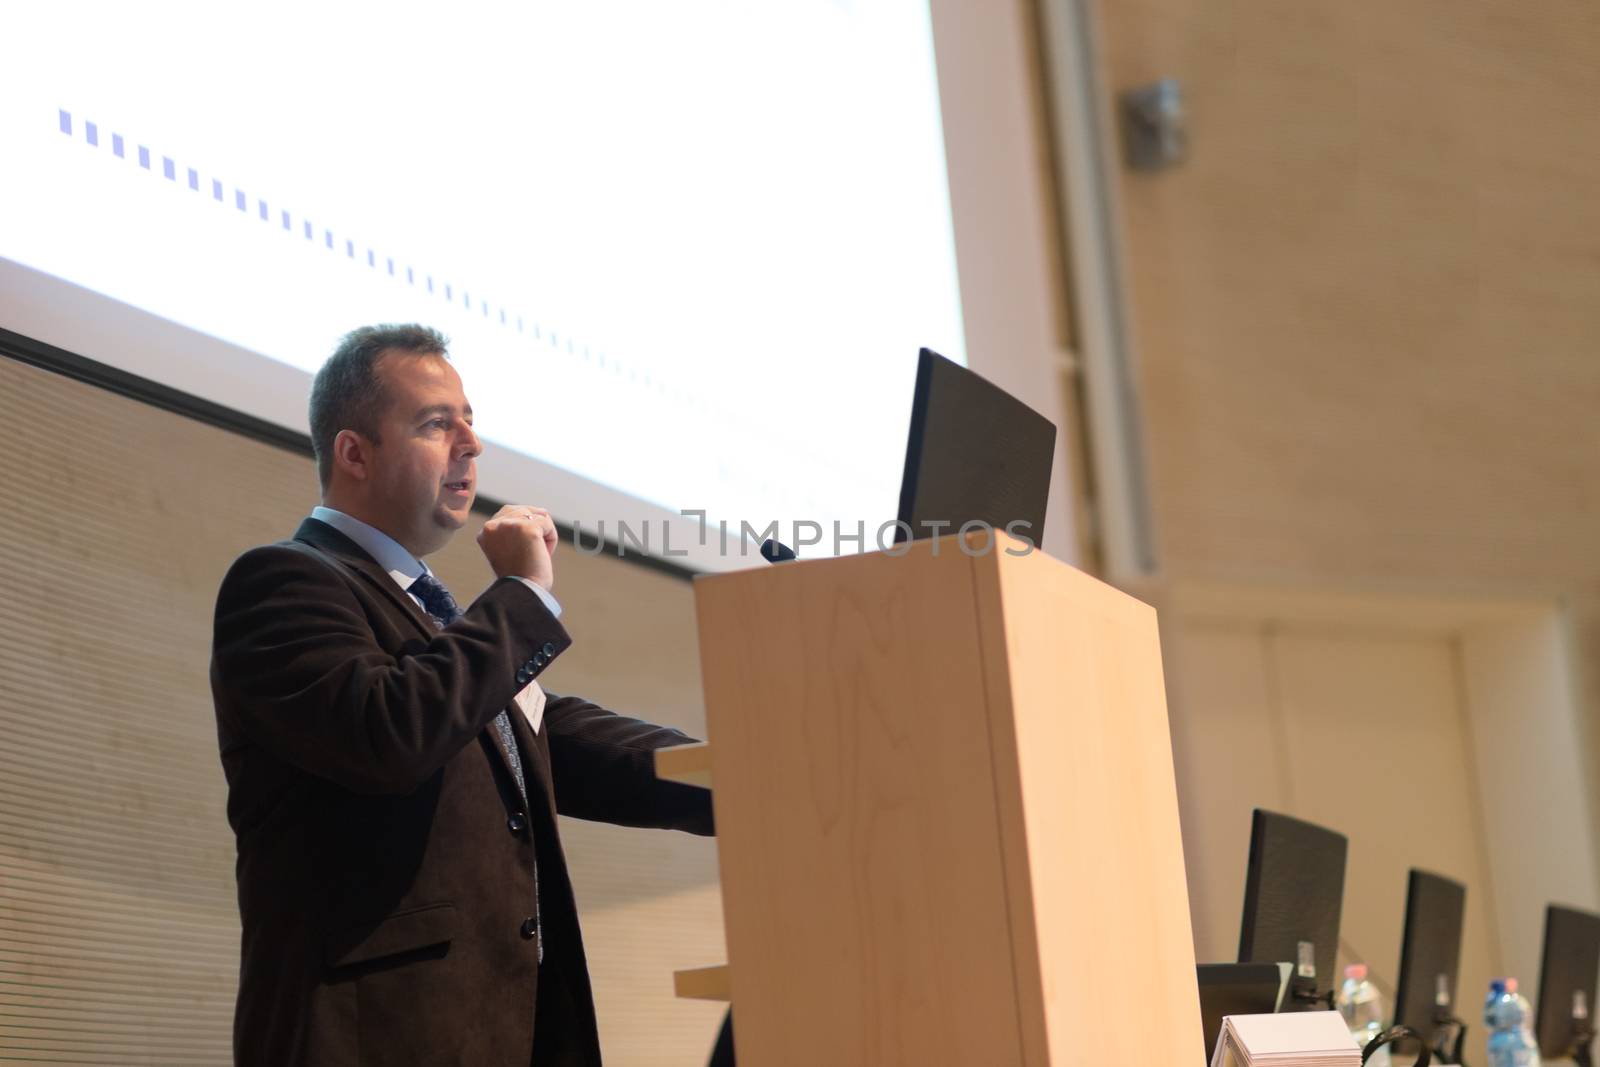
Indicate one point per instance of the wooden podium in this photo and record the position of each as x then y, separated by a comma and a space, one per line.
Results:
947, 822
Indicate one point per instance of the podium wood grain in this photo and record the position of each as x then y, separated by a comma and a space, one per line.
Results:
702, 983
689, 764
946, 814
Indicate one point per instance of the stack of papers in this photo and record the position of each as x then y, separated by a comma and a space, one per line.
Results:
1296, 1039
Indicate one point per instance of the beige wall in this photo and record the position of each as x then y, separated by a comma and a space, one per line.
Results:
1365, 315
1367, 307
1361, 723
1433, 733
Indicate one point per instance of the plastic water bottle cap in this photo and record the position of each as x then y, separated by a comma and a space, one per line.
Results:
1358, 971
1511, 985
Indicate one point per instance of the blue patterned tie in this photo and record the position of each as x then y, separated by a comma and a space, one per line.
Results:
442, 609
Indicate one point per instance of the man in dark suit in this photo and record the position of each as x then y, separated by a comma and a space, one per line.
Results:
394, 770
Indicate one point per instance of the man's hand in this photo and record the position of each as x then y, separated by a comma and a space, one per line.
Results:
519, 542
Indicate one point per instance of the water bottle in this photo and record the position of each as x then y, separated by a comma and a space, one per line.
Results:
1497, 989
1506, 1014
1362, 1009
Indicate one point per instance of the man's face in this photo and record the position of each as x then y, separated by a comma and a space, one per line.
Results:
424, 471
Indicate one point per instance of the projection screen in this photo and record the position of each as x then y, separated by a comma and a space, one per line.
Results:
686, 253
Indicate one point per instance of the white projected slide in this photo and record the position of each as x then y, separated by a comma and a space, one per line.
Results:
685, 252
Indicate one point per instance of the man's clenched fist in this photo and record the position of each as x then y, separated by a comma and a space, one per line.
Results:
519, 541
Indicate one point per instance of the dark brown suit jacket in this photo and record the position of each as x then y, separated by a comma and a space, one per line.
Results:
386, 859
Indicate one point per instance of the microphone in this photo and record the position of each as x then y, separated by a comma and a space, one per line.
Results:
776, 551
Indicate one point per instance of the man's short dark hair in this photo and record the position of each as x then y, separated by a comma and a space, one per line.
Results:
347, 393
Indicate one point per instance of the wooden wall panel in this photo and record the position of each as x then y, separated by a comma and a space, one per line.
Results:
1366, 312
1367, 308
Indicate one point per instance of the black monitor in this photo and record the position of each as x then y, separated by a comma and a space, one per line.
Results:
1430, 960
975, 454
1293, 894
1237, 989
1567, 974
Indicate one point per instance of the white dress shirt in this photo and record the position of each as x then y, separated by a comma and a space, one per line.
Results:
405, 569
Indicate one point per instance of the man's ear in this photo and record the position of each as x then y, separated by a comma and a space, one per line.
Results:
352, 455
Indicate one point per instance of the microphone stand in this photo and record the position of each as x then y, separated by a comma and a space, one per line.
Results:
1446, 1025
1582, 1038
1304, 996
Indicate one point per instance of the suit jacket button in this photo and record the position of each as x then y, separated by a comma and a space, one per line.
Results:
516, 823
529, 928
549, 649
522, 677
538, 659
